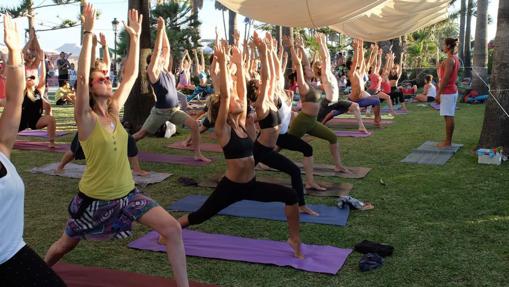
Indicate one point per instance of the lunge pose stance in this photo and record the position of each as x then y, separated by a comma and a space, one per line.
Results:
19, 264
239, 181
108, 202
167, 104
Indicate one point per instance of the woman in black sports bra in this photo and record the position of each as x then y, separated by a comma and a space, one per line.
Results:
239, 181
33, 105
266, 106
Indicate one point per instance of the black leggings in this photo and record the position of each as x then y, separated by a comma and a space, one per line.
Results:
293, 143
228, 192
278, 161
27, 269
396, 96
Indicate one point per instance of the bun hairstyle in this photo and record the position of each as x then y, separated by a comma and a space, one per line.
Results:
428, 78
451, 43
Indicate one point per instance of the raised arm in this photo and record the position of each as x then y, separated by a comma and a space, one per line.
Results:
93, 58
166, 51
41, 86
82, 109
14, 87
237, 59
202, 60
264, 73
372, 57
220, 125
355, 58
297, 65
197, 69
154, 68
133, 59
106, 52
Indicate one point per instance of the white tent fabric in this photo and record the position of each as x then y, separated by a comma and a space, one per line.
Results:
396, 18
302, 13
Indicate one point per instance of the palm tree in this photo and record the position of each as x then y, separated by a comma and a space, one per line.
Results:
140, 101
468, 56
223, 9
480, 45
462, 30
495, 131
196, 6
232, 27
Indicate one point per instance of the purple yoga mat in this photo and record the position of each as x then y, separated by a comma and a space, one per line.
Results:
40, 133
322, 259
436, 106
40, 146
354, 121
354, 134
211, 147
170, 158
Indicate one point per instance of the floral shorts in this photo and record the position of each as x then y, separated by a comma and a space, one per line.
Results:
95, 219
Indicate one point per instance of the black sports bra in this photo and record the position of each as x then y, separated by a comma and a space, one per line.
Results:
393, 77
271, 120
238, 147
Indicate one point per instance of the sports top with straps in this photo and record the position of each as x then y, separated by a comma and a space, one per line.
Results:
238, 147
272, 119
451, 87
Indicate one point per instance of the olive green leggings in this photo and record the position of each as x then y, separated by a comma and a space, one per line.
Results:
306, 124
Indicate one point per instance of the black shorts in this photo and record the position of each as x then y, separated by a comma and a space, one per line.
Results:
27, 269
132, 149
340, 107
430, 99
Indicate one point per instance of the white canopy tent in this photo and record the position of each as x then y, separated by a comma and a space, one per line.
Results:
366, 20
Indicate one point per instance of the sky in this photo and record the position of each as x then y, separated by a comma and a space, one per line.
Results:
110, 9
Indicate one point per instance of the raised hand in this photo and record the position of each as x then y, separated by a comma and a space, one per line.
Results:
11, 35
299, 42
236, 37
88, 17
102, 39
160, 23
287, 43
134, 26
94, 40
259, 43
236, 56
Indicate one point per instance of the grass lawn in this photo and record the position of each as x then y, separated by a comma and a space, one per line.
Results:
449, 224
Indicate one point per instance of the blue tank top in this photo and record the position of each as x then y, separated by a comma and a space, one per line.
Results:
165, 91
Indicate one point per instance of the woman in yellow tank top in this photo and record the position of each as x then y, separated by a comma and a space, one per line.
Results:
108, 202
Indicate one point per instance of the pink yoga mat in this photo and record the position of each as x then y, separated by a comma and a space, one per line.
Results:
354, 134
322, 259
211, 147
170, 158
40, 133
40, 146
354, 121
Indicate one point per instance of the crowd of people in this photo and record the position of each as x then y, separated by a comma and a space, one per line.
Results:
250, 108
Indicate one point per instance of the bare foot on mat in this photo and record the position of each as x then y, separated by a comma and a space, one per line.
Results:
306, 210
296, 248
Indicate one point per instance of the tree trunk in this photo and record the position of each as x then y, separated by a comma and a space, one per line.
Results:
495, 131
141, 100
462, 31
232, 25
481, 43
468, 57
31, 15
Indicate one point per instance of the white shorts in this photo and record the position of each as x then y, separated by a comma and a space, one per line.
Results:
448, 104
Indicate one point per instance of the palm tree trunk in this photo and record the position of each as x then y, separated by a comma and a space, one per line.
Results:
232, 26
481, 43
468, 57
495, 130
462, 31
140, 101
224, 25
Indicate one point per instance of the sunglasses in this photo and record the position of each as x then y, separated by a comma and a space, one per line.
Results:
105, 72
31, 78
101, 80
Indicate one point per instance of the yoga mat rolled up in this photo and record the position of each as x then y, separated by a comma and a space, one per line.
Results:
331, 215
322, 259
40, 133
85, 276
210, 147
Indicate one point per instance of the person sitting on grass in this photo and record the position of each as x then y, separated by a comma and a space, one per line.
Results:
34, 105
65, 95
430, 91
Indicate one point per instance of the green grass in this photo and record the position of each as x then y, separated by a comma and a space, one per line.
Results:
449, 224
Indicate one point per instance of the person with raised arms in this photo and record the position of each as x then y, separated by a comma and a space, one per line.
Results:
108, 202
19, 264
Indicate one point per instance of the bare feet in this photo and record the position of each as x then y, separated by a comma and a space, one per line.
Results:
140, 172
363, 130
201, 157
187, 142
393, 113
59, 170
51, 145
315, 186
443, 144
367, 206
307, 210
342, 169
295, 245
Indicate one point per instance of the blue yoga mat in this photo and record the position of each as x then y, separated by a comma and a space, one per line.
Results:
331, 215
